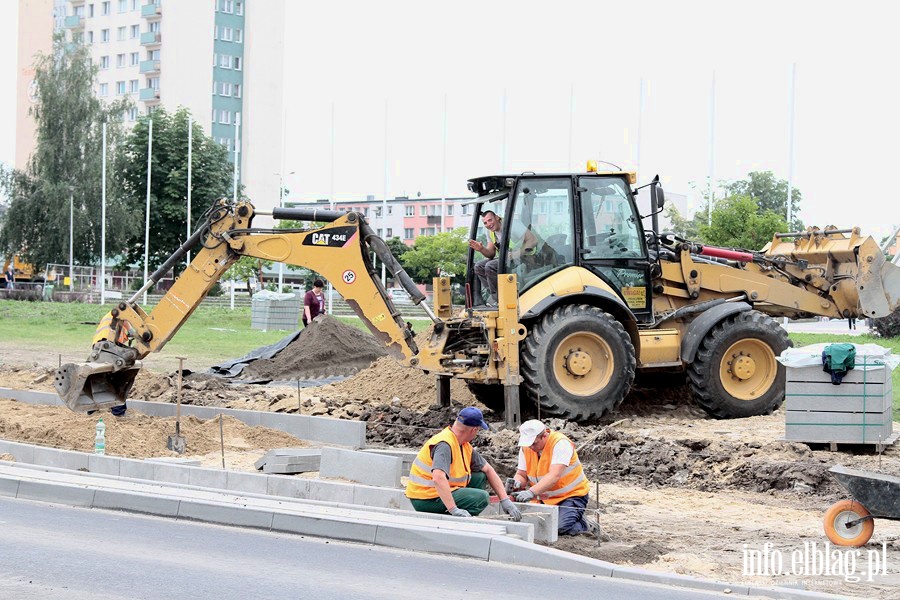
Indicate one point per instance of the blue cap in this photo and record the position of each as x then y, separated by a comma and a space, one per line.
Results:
471, 417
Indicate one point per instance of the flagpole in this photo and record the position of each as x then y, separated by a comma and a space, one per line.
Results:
147, 210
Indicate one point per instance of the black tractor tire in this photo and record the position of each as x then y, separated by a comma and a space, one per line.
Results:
578, 362
735, 374
489, 394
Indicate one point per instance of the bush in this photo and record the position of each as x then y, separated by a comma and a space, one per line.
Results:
889, 326
215, 290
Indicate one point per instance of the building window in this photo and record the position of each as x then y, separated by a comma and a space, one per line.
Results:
422, 231
239, 8
225, 61
120, 88
120, 34
90, 10
423, 211
378, 212
132, 113
237, 63
104, 90
225, 117
120, 61
104, 35
228, 6
408, 233
135, 59
390, 232
215, 114
225, 89
90, 37
134, 4
410, 211
104, 63
153, 83
104, 8
153, 55
215, 32
133, 86
390, 210
154, 27
135, 31
123, 6
465, 209
215, 87
239, 36
378, 233
237, 90
227, 34
449, 210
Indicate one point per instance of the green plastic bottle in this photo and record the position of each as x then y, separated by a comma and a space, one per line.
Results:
100, 438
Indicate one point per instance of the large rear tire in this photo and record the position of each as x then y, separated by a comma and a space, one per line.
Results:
578, 362
836, 519
735, 373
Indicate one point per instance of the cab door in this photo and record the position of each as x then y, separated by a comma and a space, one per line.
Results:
611, 240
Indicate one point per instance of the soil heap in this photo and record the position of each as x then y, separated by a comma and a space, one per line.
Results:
327, 348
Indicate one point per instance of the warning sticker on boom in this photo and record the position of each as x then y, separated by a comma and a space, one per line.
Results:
636, 297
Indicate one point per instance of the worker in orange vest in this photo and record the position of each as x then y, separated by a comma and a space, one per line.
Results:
448, 475
550, 472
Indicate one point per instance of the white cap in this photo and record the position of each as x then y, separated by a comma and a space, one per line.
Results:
529, 430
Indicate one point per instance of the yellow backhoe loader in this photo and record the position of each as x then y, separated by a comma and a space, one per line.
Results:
595, 298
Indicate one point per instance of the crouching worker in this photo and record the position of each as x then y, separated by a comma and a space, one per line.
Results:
448, 476
550, 472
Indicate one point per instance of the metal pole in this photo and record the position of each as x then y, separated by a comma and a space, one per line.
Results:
571, 122
712, 147
503, 135
147, 211
71, 240
791, 148
281, 179
237, 155
103, 223
331, 197
189, 179
444, 169
384, 196
640, 128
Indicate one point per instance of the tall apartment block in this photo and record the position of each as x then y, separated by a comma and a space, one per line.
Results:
221, 59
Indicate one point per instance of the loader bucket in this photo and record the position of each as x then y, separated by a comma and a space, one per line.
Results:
878, 286
94, 385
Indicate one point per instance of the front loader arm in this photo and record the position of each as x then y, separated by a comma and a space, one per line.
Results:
339, 251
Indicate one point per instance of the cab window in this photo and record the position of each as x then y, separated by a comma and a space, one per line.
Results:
610, 226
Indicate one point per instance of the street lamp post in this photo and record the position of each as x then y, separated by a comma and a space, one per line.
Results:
281, 205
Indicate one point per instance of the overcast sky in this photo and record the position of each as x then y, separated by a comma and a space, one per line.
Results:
408, 56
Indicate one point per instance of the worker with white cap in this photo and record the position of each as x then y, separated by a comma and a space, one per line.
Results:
551, 473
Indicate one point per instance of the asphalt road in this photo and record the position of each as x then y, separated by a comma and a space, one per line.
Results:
52, 552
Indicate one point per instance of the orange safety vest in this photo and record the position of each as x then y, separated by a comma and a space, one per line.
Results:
421, 485
571, 483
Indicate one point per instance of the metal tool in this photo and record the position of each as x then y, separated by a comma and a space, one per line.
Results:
177, 442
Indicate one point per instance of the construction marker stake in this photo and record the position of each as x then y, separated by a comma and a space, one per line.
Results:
222, 439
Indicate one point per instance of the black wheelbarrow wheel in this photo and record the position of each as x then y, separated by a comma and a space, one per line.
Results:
839, 515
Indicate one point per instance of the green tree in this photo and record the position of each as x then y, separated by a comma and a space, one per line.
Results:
736, 223
689, 229
245, 269
66, 163
443, 253
769, 193
211, 179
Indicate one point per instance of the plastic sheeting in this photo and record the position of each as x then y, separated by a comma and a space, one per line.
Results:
868, 356
233, 368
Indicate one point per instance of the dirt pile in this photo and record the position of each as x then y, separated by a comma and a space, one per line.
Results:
135, 435
326, 348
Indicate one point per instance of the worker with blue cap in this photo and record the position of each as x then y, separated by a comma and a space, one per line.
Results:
448, 476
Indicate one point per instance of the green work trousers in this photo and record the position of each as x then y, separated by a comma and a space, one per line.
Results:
473, 498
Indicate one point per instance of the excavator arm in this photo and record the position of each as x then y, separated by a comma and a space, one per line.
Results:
339, 250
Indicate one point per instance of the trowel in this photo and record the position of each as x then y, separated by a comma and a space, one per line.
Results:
177, 442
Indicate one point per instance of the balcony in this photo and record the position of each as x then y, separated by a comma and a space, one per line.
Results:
150, 38
74, 22
149, 95
149, 66
151, 11
77, 2
433, 220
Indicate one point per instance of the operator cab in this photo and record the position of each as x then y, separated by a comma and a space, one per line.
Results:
553, 222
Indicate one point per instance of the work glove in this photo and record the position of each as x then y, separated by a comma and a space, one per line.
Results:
510, 509
524, 496
459, 512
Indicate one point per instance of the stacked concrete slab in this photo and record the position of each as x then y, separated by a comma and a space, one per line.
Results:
289, 461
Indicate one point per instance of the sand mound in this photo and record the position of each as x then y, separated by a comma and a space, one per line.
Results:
326, 348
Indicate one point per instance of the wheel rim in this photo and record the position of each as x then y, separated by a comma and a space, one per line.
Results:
583, 364
840, 525
748, 369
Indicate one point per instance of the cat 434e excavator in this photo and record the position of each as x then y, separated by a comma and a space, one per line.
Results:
596, 298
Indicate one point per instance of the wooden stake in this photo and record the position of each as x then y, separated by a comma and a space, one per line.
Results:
222, 439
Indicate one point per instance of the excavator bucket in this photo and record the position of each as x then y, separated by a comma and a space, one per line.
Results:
878, 284
94, 385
